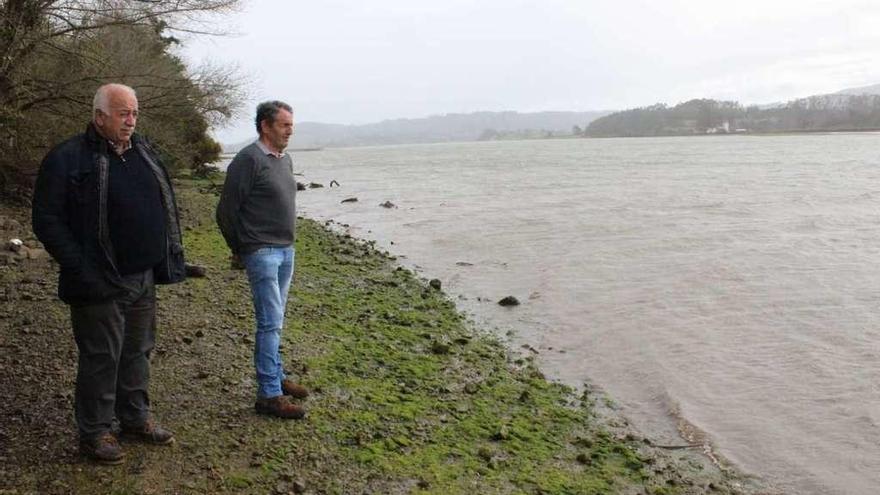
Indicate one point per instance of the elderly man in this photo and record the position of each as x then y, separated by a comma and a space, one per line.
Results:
257, 216
104, 208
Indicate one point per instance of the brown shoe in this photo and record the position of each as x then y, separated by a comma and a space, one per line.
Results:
149, 432
295, 390
279, 407
103, 449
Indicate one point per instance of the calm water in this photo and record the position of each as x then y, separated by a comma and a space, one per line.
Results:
726, 286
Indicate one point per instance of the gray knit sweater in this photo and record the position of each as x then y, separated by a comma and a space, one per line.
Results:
258, 205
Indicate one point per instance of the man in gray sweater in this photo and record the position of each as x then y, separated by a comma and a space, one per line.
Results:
257, 216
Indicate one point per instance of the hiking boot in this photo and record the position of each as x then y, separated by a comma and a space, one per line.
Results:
295, 390
279, 407
103, 449
149, 432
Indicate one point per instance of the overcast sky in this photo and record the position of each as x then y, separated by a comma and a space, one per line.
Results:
354, 62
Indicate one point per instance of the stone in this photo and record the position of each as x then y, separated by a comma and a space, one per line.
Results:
484, 453
195, 271
14, 245
435, 283
440, 348
509, 301
36, 253
388, 204
315, 185
503, 433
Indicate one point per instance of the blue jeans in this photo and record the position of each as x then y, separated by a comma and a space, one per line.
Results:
269, 272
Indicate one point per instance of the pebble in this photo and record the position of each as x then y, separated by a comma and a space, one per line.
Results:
509, 301
440, 348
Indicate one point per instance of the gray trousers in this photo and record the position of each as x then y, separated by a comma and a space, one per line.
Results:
115, 339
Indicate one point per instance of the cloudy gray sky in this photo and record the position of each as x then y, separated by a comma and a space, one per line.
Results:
351, 62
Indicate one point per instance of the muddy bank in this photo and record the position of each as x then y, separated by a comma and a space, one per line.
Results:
408, 397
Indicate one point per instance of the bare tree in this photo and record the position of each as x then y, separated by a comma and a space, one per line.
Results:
54, 53
29, 28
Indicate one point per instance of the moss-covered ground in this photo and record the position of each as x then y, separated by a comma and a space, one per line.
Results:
407, 397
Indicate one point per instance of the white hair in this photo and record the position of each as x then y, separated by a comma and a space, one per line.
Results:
102, 96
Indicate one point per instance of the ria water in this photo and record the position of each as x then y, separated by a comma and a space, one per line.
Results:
721, 289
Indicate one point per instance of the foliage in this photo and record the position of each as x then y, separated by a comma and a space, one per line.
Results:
55, 53
817, 113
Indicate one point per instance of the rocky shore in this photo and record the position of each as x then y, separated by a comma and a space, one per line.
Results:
407, 396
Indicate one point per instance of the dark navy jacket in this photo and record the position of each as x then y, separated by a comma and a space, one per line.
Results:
70, 218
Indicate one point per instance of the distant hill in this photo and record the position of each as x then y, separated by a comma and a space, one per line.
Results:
848, 110
438, 129
867, 90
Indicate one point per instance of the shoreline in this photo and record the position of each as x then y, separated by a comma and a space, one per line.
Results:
408, 397
676, 431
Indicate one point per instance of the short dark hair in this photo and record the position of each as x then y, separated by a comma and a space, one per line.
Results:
268, 110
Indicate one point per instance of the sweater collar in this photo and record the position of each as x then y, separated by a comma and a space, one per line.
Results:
265, 149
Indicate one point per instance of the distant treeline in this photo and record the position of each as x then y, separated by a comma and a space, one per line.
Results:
438, 129
55, 53
835, 112
518, 134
